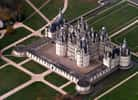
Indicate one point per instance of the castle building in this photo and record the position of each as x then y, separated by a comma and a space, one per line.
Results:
83, 45
55, 25
77, 52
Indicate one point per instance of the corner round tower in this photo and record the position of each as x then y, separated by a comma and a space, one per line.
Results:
83, 86
125, 56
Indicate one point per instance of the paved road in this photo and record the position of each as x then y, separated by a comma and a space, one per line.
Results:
37, 10
43, 5
54, 87
25, 61
16, 89
34, 77
123, 29
34, 33
17, 42
66, 84
116, 86
65, 6
4, 65
17, 66
135, 2
63, 11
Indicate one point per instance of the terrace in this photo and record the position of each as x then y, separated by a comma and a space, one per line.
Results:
50, 53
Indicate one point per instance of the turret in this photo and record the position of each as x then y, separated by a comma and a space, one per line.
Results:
111, 58
107, 59
55, 25
92, 34
59, 18
103, 40
83, 86
82, 54
103, 34
61, 45
125, 57
82, 25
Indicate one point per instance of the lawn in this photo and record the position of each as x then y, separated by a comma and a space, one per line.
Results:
36, 91
127, 91
12, 37
70, 89
78, 7
34, 67
131, 37
30, 40
8, 54
134, 58
27, 10
52, 8
111, 80
10, 77
56, 79
38, 3
35, 22
115, 18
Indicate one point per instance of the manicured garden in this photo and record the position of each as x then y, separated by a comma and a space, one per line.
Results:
56, 79
35, 21
12, 37
70, 89
27, 10
114, 18
111, 81
52, 8
38, 3
30, 40
34, 67
10, 77
8, 54
78, 7
36, 91
131, 37
127, 91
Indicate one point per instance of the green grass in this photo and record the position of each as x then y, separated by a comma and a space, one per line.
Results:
10, 78
78, 7
27, 10
134, 58
131, 37
17, 59
34, 67
30, 40
2, 62
112, 80
12, 37
8, 54
127, 91
36, 91
35, 22
38, 3
70, 89
115, 17
56, 79
52, 8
